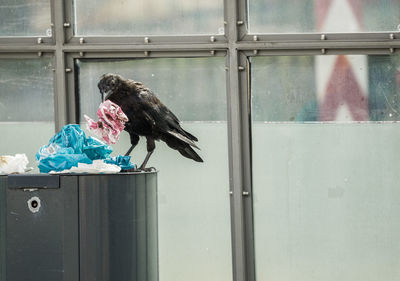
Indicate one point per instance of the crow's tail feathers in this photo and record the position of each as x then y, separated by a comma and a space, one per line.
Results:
188, 152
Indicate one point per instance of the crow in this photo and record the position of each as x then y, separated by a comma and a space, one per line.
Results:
148, 117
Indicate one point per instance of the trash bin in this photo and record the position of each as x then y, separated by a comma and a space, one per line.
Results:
81, 227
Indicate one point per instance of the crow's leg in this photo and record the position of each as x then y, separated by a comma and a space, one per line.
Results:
134, 142
150, 148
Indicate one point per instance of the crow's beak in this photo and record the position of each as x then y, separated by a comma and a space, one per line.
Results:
102, 97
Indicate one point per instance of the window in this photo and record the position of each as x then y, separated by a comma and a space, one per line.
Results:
295, 103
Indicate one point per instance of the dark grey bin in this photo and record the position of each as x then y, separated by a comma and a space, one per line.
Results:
79, 227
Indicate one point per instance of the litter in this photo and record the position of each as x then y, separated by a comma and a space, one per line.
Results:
98, 166
111, 122
13, 164
71, 148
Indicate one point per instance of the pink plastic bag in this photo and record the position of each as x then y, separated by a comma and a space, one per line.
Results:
111, 122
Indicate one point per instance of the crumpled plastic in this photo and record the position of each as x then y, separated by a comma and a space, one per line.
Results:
71, 151
111, 122
13, 164
68, 148
98, 166
122, 161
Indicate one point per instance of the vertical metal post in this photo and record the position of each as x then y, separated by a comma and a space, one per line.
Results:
237, 104
60, 90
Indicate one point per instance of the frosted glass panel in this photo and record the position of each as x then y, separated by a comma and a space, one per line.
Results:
149, 17
25, 18
326, 195
194, 227
26, 106
286, 16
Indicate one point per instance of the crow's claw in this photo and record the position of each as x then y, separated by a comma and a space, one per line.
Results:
150, 169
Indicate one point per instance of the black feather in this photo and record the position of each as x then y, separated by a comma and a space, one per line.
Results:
147, 115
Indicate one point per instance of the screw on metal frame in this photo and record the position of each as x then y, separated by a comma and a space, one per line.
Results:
40, 54
240, 22
255, 38
323, 51
212, 38
391, 36
81, 40
246, 193
323, 37
146, 40
81, 54
241, 68
67, 24
255, 52
212, 52
67, 70
40, 40
146, 53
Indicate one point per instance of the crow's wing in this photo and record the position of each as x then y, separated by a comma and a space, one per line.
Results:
163, 119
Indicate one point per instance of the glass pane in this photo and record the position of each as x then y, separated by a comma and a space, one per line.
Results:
26, 106
149, 17
286, 16
194, 227
25, 18
326, 196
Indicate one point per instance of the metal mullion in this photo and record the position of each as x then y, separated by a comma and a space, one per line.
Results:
26, 48
242, 270
245, 94
148, 54
142, 47
318, 45
60, 91
151, 39
322, 36
315, 52
25, 55
242, 21
33, 40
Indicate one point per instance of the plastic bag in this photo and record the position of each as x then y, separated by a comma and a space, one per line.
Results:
121, 161
13, 164
68, 148
98, 166
111, 122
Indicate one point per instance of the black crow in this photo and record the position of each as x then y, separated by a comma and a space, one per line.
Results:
148, 117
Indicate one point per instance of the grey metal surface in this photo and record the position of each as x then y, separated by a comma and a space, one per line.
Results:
42, 245
118, 227
33, 181
3, 187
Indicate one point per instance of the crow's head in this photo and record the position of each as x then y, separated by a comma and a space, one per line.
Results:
109, 83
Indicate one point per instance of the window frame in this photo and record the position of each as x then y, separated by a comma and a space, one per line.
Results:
237, 45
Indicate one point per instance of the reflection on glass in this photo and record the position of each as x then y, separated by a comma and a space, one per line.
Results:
326, 196
25, 18
194, 228
285, 16
326, 88
26, 105
148, 17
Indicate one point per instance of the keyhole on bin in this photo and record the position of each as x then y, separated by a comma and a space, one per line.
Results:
34, 204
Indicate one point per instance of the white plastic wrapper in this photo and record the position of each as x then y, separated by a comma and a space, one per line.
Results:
97, 167
13, 164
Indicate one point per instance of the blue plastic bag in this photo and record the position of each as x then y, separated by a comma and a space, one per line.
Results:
122, 161
68, 148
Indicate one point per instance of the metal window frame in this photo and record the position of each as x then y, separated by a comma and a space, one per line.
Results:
237, 45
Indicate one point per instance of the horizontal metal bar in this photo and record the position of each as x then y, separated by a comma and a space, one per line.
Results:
148, 39
30, 55
317, 45
8, 40
26, 48
149, 54
314, 52
361, 36
143, 47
